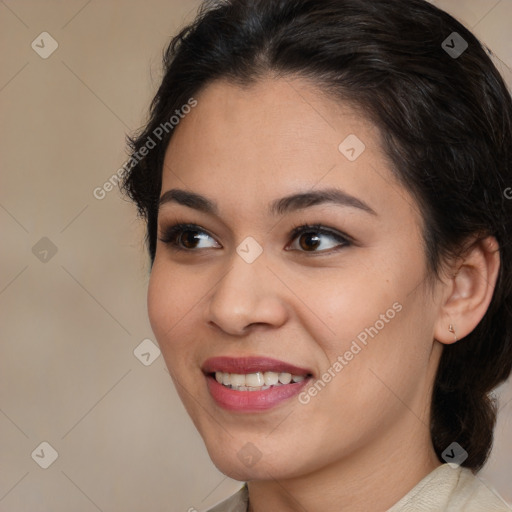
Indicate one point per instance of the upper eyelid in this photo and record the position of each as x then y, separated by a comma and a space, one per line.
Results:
293, 231
177, 227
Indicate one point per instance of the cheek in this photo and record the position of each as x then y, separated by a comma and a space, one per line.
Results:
343, 306
170, 311
385, 356
373, 321
168, 304
158, 301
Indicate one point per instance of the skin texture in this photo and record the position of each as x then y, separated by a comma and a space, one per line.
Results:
363, 441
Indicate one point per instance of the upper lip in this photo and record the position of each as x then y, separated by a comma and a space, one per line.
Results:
251, 364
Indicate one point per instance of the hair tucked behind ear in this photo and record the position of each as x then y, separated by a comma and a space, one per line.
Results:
462, 408
446, 126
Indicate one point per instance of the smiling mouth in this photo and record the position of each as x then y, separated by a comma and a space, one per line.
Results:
258, 381
253, 384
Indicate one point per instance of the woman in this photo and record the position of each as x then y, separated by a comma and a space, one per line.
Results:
325, 189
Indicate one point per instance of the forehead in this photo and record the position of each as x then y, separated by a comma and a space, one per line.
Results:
267, 140
284, 118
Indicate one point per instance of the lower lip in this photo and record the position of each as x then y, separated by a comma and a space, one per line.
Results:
252, 401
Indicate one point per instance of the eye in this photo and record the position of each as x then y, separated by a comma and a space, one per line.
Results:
186, 237
306, 238
311, 237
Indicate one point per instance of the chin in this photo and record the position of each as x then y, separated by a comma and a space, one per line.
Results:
248, 464
238, 471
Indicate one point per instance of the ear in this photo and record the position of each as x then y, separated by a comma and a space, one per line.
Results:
468, 291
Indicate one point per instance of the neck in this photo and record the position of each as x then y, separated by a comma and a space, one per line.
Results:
372, 478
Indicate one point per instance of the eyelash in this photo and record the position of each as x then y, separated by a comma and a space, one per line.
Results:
171, 233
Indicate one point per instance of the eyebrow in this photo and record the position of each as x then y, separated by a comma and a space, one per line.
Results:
280, 206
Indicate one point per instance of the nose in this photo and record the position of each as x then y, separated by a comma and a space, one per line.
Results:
248, 294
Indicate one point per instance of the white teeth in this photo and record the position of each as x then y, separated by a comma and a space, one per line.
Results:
256, 381
235, 379
285, 378
271, 378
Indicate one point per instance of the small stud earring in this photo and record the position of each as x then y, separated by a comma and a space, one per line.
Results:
452, 330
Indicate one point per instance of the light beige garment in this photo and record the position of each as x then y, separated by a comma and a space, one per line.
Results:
448, 488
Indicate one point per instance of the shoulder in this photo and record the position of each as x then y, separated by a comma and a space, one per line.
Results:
449, 488
453, 489
235, 503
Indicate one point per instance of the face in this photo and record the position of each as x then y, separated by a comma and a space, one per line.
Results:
242, 296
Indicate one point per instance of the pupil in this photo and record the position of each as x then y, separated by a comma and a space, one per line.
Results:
189, 238
312, 241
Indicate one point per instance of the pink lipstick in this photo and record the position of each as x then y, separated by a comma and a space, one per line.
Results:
252, 384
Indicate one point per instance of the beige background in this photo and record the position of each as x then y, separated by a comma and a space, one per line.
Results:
70, 321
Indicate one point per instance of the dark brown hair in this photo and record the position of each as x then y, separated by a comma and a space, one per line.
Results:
445, 121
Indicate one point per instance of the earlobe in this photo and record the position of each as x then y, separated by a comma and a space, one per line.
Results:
469, 291
449, 335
